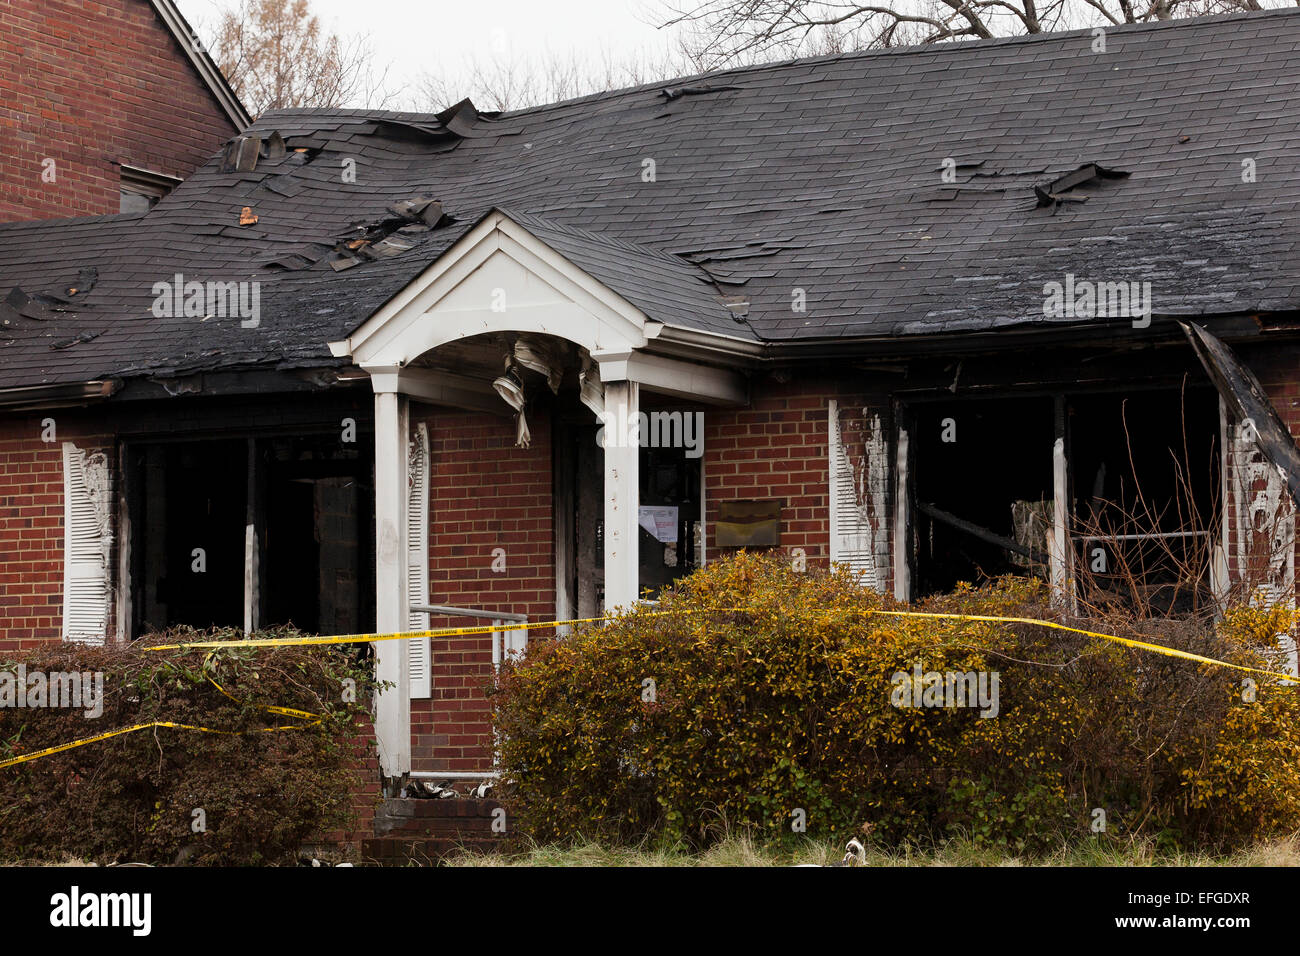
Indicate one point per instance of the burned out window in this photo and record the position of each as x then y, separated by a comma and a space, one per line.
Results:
983, 487
265, 531
1145, 478
1139, 470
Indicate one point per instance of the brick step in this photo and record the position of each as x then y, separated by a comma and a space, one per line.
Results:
408, 815
473, 827
403, 851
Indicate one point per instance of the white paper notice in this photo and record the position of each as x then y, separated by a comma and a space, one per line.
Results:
660, 521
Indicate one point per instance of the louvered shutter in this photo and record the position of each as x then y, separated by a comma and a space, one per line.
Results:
87, 542
417, 562
850, 528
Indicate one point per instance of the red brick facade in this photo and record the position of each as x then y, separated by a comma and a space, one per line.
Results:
31, 522
90, 84
776, 448
485, 494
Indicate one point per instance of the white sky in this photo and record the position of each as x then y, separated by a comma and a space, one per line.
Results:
417, 36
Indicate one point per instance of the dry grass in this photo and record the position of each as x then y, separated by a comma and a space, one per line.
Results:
742, 851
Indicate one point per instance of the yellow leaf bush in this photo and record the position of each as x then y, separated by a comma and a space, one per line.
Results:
756, 698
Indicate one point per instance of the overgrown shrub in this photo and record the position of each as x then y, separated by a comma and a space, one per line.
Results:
754, 697
259, 792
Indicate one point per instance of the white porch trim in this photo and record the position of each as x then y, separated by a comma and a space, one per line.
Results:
499, 278
392, 600
622, 497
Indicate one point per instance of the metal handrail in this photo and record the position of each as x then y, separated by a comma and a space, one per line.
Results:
468, 612
497, 617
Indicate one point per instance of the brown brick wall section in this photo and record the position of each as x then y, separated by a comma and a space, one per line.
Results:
31, 523
777, 448
484, 494
92, 83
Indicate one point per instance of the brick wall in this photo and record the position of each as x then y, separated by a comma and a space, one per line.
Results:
777, 448
484, 494
92, 83
31, 523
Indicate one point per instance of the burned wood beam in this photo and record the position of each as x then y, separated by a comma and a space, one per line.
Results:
984, 534
1242, 392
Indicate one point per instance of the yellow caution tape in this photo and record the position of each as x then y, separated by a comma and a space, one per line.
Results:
1126, 641
48, 751
283, 711
314, 719
401, 635
490, 628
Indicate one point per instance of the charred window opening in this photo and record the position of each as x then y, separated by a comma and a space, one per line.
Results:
1145, 477
670, 499
188, 534
1140, 470
670, 509
983, 487
319, 512
251, 532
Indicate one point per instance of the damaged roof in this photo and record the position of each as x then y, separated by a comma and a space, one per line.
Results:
893, 193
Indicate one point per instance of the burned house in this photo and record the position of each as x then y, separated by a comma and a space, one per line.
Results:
1017, 306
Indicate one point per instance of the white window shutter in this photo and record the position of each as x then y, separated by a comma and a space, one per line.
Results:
850, 525
417, 562
87, 543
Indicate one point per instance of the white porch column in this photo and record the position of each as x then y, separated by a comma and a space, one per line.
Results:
622, 494
393, 706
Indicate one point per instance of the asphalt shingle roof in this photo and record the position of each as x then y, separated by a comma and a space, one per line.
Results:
820, 175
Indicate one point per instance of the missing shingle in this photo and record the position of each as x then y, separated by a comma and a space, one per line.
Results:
410, 222
737, 305
1056, 191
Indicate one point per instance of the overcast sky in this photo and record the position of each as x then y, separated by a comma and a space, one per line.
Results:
417, 36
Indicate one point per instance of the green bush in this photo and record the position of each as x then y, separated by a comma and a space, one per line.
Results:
754, 697
261, 792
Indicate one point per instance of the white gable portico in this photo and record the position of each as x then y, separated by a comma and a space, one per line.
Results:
501, 278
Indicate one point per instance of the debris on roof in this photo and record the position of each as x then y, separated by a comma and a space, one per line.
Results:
247, 217
677, 92
411, 222
1056, 192
75, 340
86, 279
816, 175
36, 305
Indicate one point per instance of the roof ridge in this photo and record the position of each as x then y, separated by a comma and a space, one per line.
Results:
940, 48
951, 47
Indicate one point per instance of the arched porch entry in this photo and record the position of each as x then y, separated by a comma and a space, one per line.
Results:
502, 312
